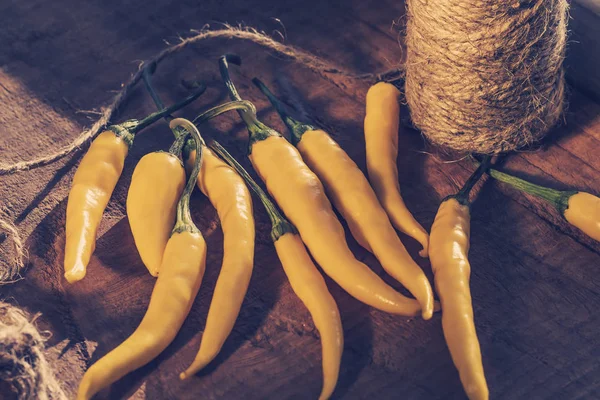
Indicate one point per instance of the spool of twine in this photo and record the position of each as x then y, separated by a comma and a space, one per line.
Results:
24, 371
485, 76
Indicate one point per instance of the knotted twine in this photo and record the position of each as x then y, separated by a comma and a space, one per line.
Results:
485, 76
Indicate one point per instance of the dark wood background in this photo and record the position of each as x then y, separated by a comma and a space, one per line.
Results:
535, 280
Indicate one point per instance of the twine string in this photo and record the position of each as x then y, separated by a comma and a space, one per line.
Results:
485, 77
22, 361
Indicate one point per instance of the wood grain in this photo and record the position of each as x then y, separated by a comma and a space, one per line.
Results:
535, 281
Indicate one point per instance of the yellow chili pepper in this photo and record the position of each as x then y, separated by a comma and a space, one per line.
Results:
301, 196
305, 279
351, 194
448, 252
156, 186
176, 288
580, 209
381, 140
229, 195
93, 184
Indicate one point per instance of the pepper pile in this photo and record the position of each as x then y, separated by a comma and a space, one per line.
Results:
307, 177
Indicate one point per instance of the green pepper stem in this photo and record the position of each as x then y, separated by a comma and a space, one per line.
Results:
126, 130
244, 105
209, 114
224, 69
257, 130
558, 198
213, 112
296, 127
152, 118
179, 132
177, 146
147, 78
279, 224
463, 194
184, 217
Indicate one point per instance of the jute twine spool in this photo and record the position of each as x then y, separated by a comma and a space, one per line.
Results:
24, 371
485, 76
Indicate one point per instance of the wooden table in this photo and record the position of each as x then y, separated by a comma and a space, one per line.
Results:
535, 280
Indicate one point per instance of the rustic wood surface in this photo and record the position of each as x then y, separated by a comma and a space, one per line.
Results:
535, 280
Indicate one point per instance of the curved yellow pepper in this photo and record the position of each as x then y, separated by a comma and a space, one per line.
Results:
381, 139
172, 297
229, 195
305, 279
352, 195
93, 184
448, 252
156, 186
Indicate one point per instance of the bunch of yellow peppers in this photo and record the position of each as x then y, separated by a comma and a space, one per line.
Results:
306, 177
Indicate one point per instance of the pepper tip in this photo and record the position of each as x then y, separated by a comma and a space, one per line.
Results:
74, 276
427, 313
326, 392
